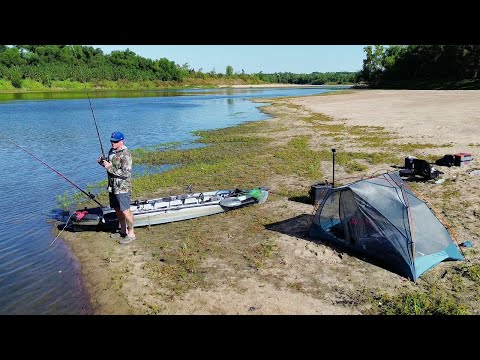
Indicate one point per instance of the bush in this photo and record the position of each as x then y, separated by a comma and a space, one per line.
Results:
6, 85
16, 81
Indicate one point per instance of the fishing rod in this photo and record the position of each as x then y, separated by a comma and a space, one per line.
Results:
95, 121
91, 196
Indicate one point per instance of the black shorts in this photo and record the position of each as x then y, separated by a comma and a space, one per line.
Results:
121, 201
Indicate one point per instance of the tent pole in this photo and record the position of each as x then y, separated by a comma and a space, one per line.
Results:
333, 167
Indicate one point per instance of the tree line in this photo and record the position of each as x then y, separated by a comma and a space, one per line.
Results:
315, 78
421, 65
48, 63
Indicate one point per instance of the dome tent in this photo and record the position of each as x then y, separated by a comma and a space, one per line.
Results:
384, 220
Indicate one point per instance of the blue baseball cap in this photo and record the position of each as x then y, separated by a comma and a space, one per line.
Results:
117, 136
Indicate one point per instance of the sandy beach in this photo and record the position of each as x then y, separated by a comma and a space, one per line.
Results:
441, 116
297, 274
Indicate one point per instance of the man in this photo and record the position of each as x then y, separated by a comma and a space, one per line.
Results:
119, 171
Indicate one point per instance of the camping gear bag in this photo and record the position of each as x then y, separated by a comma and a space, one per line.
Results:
317, 192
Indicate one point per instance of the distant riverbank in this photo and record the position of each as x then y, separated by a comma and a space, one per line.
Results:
31, 86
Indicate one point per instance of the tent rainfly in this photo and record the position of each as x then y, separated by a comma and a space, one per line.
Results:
382, 219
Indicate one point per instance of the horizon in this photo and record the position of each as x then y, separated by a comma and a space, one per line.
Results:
297, 59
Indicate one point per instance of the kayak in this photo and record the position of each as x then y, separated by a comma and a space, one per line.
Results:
167, 209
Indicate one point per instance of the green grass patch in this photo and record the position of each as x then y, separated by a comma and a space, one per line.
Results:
297, 158
175, 263
257, 254
410, 148
373, 141
450, 192
316, 118
331, 128
362, 130
249, 129
354, 166
347, 159
72, 199
223, 144
292, 193
338, 92
331, 93
433, 302
290, 105
471, 272
365, 136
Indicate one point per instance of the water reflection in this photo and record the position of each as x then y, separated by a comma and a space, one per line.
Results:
81, 94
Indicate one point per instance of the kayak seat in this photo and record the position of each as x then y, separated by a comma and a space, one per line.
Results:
161, 205
190, 201
148, 207
176, 203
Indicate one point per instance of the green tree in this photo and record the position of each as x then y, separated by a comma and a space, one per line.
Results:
11, 57
229, 71
373, 64
16, 77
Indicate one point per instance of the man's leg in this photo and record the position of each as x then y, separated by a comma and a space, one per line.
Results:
114, 203
127, 214
121, 220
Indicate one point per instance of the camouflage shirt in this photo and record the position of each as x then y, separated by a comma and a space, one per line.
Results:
120, 173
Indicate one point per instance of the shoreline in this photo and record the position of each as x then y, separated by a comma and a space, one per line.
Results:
282, 86
259, 260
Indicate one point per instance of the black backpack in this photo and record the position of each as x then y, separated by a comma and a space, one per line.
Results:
423, 168
447, 160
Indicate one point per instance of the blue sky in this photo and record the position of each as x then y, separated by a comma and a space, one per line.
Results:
254, 58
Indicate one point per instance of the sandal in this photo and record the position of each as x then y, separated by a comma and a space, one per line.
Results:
117, 235
127, 240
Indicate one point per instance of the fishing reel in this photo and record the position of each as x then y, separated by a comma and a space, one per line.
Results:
102, 159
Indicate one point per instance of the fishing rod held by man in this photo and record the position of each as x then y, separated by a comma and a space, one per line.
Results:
95, 122
91, 196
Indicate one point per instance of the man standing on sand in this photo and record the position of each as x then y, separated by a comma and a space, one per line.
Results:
119, 170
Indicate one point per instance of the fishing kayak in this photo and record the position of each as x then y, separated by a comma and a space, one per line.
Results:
167, 209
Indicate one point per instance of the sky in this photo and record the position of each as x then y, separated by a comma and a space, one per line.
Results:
254, 58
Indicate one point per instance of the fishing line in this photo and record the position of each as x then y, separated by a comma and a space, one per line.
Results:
66, 224
93, 114
95, 121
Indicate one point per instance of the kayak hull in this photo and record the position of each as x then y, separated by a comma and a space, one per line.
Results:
168, 209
